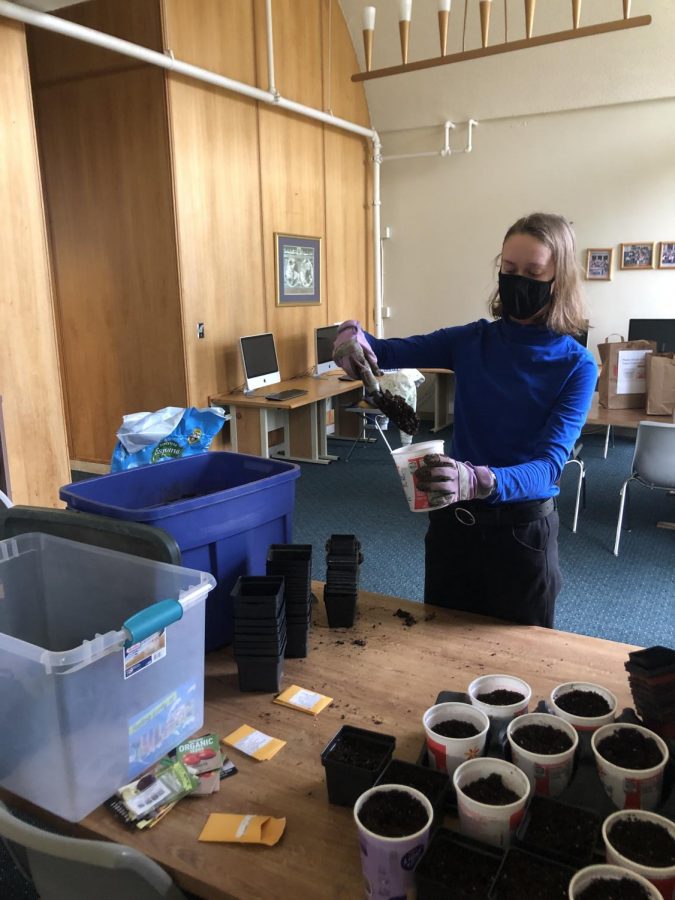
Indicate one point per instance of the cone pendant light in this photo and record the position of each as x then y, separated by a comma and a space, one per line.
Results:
485, 9
529, 16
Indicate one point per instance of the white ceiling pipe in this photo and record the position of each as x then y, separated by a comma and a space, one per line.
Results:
166, 61
446, 150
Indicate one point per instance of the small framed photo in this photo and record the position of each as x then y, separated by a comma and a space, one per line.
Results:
637, 256
297, 270
599, 263
667, 255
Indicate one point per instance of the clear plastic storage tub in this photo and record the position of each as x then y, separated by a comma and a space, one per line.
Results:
101, 668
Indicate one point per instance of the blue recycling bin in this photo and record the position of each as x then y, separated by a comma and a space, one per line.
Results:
224, 510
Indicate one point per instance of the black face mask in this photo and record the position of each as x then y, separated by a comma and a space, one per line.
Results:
523, 297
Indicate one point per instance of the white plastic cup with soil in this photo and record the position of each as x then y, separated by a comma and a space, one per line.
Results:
389, 851
612, 876
637, 839
492, 822
598, 704
446, 752
629, 787
549, 767
409, 459
500, 697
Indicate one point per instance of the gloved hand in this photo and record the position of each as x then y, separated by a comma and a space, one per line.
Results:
448, 481
353, 353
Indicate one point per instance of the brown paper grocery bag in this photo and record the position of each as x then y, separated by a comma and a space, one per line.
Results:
661, 384
622, 383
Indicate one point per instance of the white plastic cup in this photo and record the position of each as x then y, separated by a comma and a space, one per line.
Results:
500, 715
492, 824
548, 773
630, 788
447, 753
592, 874
408, 459
584, 723
388, 863
663, 879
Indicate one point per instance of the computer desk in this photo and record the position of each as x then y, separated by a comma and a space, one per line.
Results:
619, 418
306, 428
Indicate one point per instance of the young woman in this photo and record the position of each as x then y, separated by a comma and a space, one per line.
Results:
523, 389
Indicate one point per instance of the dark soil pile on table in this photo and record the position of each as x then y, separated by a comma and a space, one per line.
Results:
588, 704
614, 889
490, 790
630, 749
542, 739
455, 728
355, 750
524, 877
392, 814
647, 843
500, 697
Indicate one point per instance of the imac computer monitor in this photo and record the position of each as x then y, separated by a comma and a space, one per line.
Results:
259, 358
324, 338
660, 330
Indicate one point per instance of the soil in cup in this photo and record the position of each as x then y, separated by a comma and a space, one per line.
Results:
644, 842
455, 728
587, 704
393, 814
554, 828
630, 749
525, 876
545, 739
490, 790
466, 873
613, 889
355, 750
500, 697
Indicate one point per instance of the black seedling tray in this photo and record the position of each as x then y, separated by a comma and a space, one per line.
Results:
345, 781
434, 785
539, 872
548, 844
471, 868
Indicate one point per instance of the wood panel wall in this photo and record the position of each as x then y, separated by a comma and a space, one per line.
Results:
32, 402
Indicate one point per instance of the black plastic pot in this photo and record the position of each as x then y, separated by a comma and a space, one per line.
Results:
525, 875
260, 673
297, 646
340, 608
354, 759
456, 867
567, 834
434, 785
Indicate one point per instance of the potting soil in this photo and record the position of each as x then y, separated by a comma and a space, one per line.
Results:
524, 876
588, 704
401, 413
614, 889
455, 728
355, 750
564, 830
542, 739
500, 697
647, 843
465, 872
490, 790
630, 749
393, 814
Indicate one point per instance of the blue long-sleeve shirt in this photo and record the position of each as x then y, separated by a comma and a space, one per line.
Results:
522, 394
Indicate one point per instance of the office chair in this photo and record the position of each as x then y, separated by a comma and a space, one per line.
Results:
653, 464
66, 868
370, 417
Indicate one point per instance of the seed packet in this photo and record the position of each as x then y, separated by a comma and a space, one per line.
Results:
228, 768
165, 784
254, 743
201, 754
228, 827
303, 700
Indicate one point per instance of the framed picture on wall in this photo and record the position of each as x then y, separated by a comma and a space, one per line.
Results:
599, 263
297, 270
637, 256
667, 255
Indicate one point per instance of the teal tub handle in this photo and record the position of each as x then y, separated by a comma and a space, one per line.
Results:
152, 619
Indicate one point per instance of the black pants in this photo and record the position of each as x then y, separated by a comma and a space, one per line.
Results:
506, 568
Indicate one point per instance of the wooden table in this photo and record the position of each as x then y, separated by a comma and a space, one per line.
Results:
621, 418
385, 685
306, 431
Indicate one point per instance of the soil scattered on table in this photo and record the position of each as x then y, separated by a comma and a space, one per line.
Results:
500, 697
356, 750
490, 790
392, 814
614, 889
408, 619
466, 873
524, 876
455, 728
359, 642
647, 843
556, 828
588, 704
542, 739
630, 749
430, 617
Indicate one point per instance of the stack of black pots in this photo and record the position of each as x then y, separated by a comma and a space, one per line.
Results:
343, 557
294, 563
259, 631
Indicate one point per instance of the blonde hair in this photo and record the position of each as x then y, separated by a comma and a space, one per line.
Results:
566, 313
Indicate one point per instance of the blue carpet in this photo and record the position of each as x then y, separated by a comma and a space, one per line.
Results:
630, 598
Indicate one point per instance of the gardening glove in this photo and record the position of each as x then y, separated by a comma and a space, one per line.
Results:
449, 481
353, 353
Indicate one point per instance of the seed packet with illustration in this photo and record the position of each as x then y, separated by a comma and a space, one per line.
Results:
165, 784
201, 754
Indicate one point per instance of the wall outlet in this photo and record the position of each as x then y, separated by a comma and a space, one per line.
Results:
201, 333
387, 233
386, 312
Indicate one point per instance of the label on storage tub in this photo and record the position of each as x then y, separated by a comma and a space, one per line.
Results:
144, 653
160, 727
